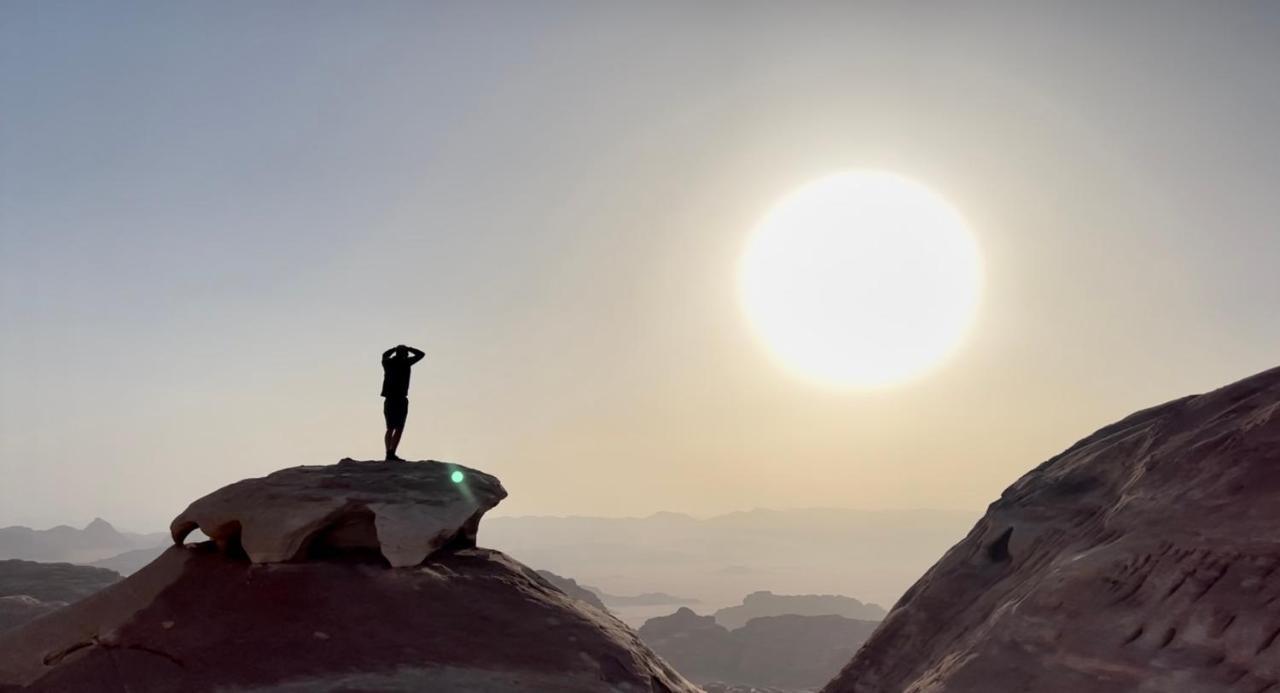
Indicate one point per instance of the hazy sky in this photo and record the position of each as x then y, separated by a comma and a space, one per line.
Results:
215, 216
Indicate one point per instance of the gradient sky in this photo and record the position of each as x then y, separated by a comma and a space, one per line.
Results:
215, 216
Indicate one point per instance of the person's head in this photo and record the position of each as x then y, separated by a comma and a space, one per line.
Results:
402, 352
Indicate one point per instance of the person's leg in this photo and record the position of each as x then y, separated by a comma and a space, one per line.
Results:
395, 443
398, 412
389, 442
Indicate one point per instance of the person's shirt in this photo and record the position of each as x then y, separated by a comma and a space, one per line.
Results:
395, 377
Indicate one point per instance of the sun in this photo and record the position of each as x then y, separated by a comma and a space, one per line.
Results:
861, 279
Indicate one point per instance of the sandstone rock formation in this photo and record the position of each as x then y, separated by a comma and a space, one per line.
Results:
766, 603
204, 617
405, 512
790, 652
1145, 558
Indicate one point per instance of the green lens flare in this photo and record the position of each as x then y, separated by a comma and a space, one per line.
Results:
456, 477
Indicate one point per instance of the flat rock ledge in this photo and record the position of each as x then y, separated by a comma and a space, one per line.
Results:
404, 511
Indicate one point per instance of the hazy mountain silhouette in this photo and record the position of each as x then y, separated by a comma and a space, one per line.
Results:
29, 589
790, 652
874, 555
130, 562
96, 541
759, 604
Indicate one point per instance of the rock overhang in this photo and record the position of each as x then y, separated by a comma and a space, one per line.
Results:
402, 511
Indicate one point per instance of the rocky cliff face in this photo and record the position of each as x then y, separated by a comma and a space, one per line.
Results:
1144, 558
299, 591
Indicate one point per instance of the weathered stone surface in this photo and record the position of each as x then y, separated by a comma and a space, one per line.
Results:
197, 619
1144, 558
403, 510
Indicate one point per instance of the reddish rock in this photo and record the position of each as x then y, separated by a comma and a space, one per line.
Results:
202, 618
1144, 558
404, 511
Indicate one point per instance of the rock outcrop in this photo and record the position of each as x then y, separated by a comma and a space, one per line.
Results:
766, 603
1145, 558
789, 652
404, 512
204, 617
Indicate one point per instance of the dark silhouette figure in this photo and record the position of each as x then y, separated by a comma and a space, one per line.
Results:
396, 363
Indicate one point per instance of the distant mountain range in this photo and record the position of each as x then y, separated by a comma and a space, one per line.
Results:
789, 651
96, 541
29, 589
875, 555
760, 604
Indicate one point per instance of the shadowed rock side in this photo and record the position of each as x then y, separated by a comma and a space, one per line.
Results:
336, 617
1144, 558
403, 510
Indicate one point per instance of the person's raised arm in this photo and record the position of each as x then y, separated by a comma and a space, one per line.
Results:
415, 355
386, 355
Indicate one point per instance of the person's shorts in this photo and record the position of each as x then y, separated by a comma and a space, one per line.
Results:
395, 410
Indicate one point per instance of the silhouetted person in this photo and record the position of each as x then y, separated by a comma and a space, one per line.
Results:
396, 363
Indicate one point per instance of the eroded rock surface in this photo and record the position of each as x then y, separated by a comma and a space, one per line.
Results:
1144, 558
197, 619
404, 511
318, 608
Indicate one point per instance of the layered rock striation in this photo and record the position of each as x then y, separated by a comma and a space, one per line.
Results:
1145, 558
312, 600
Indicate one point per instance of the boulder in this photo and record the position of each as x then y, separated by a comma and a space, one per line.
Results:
1143, 558
205, 617
404, 511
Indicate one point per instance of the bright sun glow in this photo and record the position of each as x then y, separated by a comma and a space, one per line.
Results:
861, 279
